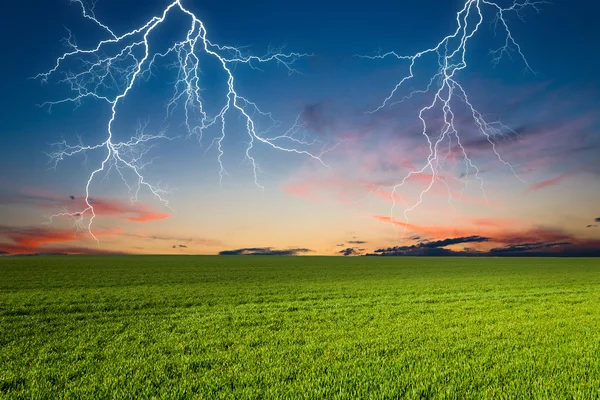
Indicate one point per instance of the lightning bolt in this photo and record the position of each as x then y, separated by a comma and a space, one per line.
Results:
108, 71
445, 89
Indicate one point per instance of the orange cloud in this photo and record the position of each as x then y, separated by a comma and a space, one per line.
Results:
501, 232
348, 190
149, 216
433, 232
35, 239
125, 210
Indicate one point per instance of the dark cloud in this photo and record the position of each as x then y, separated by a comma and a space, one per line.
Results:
575, 248
263, 251
484, 143
429, 248
348, 252
38, 254
451, 241
413, 251
526, 247
594, 225
316, 118
340, 245
357, 242
548, 249
467, 174
182, 246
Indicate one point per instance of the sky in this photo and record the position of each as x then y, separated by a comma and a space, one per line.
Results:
325, 169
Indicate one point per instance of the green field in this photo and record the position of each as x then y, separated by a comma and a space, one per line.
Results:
299, 327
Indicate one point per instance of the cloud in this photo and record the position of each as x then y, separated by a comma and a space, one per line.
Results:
147, 216
451, 241
357, 242
592, 226
503, 234
103, 207
12, 249
350, 251
47, 238
412, 251
540, 142
588, 248
547, 138
582, 248
536, 241
39, 254
37, 238
429, 248
597, 219
511, 138
125, 210
526, 247
316, 118
263, 251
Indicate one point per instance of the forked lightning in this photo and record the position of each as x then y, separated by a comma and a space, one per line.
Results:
444, 89
108, 72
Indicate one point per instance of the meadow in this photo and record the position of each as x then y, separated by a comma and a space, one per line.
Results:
217, 327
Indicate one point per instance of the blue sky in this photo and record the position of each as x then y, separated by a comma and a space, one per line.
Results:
554, 112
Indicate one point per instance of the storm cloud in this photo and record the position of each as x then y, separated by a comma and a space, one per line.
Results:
263, 251
350, 251
429, 248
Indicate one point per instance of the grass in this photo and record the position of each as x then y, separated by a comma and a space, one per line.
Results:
299, 327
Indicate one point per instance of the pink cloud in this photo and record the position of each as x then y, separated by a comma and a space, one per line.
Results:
35, 239
499, 231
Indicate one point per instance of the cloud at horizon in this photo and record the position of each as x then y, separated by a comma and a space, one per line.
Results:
264, 251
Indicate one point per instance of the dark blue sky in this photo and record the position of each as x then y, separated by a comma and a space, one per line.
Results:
560, 44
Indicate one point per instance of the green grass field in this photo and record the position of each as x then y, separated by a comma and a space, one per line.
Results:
299, 327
